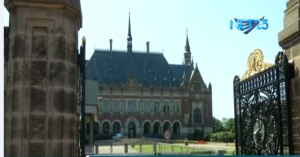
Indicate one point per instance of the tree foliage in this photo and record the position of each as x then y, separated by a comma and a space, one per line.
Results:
229, 125
223, 130
222, 137
218, 125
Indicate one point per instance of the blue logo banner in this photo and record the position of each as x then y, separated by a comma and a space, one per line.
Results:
247, 25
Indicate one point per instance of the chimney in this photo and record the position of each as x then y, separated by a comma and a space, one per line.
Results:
147, 47
110, 42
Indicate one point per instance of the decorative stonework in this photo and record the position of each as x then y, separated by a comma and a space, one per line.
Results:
37, 127
186, 118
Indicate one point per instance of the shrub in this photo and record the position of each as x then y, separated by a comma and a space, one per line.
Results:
207, 137
222, 137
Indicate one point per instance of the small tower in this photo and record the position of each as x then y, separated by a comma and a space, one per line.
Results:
129, 38
187, 54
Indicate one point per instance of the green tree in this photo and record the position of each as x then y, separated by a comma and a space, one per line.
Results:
218, 125
229, 125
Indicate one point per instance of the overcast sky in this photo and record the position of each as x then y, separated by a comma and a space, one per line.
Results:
221, 53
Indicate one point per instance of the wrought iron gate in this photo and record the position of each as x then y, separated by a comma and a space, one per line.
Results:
261, 104
81, 99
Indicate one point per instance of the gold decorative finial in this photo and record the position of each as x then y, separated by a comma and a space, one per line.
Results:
256, 64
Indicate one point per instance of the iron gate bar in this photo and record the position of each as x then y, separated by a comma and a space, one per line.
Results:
279, 107
235, 119
270, 82
289, 74
82, 109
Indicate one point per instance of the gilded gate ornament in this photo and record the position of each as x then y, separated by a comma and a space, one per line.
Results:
256, 64
261, 105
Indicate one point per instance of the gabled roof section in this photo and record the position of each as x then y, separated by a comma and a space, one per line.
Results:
196, 76
149, 70
131, 76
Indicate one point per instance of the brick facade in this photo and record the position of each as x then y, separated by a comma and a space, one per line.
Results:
147, 77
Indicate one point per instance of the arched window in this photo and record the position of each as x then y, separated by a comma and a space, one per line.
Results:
106, 127
197, 116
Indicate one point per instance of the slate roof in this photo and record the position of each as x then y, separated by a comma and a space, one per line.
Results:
179, 69
150, 70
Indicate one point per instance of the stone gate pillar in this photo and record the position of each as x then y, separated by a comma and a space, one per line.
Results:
40, 95
289, 39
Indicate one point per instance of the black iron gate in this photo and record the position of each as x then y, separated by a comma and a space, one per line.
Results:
81, 101
261, 105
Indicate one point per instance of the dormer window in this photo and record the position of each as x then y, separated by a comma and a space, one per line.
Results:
197, 86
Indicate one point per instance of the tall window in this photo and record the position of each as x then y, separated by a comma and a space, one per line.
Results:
147, 107
117, 106
166, 108
197, 116
100, 104
156, 106
124, 105
197, 86
140, 106
132, 106
176, 107
106, 106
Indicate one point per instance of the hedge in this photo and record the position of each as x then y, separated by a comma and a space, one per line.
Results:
220, 137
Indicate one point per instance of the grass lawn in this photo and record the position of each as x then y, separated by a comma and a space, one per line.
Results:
177, 148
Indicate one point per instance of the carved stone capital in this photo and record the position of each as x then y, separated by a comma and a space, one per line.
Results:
72, 6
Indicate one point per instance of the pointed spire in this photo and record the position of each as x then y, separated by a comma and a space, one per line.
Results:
187, 45
129, 38
129, 27
187, 54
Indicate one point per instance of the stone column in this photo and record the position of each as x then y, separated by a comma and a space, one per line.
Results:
289, 40
111, 130
40, 103
91, 132
100, 130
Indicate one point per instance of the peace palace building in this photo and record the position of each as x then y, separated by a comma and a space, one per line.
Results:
141, 94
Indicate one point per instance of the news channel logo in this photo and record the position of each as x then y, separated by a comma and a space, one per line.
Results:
247, 25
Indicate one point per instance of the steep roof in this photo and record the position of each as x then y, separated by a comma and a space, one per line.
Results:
196, 75
150, 70
180, 69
